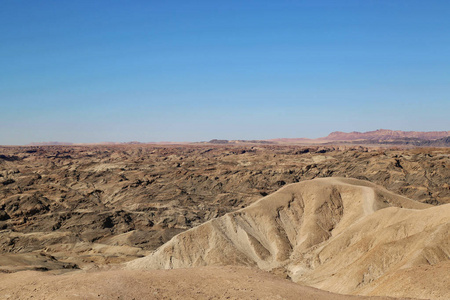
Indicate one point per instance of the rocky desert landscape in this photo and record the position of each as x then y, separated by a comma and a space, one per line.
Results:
225, 150
348, 220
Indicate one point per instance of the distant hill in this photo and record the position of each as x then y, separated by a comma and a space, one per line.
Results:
385, 134
376, 137
444, 142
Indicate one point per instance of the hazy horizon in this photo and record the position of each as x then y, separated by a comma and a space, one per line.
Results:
149, 71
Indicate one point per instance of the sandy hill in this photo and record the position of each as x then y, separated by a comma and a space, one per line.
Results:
341, 235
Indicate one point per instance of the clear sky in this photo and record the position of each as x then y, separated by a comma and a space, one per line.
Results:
92, 71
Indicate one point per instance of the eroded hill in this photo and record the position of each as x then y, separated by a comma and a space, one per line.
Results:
342, 235
91, 205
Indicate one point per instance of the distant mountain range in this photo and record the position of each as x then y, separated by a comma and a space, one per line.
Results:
386, 134
376, 137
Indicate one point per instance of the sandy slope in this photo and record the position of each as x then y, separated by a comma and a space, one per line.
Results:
195, 283
342, 235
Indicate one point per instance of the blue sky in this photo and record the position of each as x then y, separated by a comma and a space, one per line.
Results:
92, 71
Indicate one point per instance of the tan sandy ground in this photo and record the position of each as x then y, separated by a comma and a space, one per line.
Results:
424, 282
342, 235
193, 283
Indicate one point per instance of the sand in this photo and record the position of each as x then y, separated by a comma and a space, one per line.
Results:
194, 283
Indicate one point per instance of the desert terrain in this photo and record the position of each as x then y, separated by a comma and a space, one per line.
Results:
225, 282
365, 221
